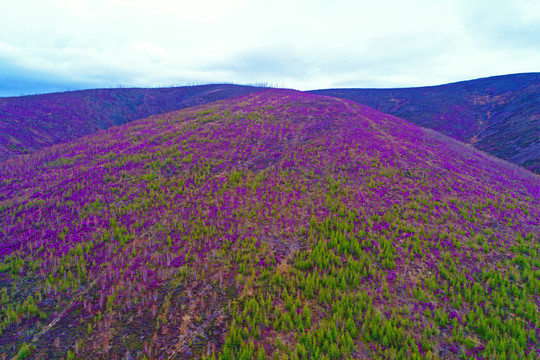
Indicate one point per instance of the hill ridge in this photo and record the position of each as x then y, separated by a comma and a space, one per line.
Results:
32, 122
500, 114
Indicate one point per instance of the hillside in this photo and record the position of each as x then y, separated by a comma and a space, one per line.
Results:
499, 115
29, 123
280, 225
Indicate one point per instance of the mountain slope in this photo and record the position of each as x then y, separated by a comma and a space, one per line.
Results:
28, 123
277, 225
499, 115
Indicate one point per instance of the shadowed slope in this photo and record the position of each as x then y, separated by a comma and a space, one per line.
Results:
28, 123
499, 115
278, 224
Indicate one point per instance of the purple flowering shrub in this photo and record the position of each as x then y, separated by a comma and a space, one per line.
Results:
278, 225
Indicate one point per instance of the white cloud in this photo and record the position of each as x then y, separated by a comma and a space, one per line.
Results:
305, 44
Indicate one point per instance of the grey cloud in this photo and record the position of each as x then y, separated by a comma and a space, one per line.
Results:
17, 81
396, 58
76, 74
388, 56
264, 63
502, 25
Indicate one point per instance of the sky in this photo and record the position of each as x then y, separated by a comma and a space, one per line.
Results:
59, 45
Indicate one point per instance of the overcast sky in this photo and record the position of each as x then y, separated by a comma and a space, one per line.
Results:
57, 45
